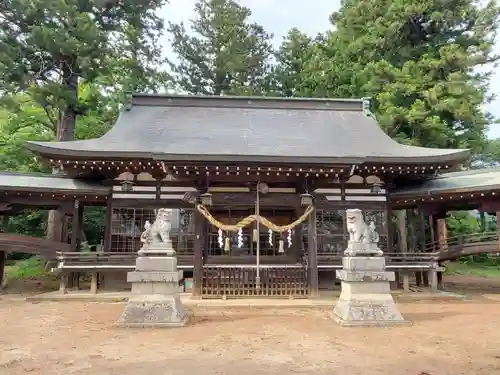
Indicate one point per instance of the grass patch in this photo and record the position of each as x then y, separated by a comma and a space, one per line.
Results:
473, 269
26, 272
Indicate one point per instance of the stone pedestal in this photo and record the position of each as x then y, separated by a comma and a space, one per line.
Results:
366, 298
155, 300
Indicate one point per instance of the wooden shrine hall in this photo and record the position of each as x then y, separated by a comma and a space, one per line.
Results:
296, 163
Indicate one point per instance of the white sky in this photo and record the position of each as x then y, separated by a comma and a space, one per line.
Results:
311, 16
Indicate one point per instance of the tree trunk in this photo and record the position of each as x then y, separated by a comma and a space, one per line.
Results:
65, 132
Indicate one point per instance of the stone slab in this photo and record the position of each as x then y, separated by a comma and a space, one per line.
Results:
154, 276
370, 288
156, 288
156, 264
365, 276
159, 311
363, 263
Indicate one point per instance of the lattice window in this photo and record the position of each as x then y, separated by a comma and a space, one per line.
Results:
379, 219
332, 234
331, 231
127, 225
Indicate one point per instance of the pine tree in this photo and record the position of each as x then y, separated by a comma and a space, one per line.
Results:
50, 46
227, 55
418, 60
294, 51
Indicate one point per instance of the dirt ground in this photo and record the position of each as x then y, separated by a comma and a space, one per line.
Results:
452, 337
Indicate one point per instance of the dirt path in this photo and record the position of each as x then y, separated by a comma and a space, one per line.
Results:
79, 338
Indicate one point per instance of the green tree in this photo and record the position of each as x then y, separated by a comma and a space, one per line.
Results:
50, 46
295, 51
418, 60
227, 55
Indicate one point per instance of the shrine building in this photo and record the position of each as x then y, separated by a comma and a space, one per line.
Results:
297, 163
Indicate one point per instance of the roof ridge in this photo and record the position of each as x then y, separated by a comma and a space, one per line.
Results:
254, 102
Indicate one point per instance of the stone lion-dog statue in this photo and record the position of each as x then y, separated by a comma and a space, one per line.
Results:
363, 237
159, 231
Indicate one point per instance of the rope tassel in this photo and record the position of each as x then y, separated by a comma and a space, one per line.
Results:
281, 247
255, 236
227, 245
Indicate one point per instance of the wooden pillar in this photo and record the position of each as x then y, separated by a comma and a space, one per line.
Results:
76, 240
433, 280
482, 221
433, 233
297, 241
390, 239
107, 225
402, 231
419, 275
63, 282
76, 226
390, 229
93, 282
440, 283
312, 254
3, 253
199, 240
442, 233
406, 281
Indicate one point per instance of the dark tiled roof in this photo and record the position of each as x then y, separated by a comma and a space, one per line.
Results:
191, 128
41, 182
476, 180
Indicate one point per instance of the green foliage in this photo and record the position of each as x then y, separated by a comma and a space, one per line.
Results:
25, 269
462, 222
66, 68
418, 60
93, 224
50, 46
488, 267
224, 54
292, 55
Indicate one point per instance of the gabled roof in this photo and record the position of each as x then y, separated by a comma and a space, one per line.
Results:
229, 129
471, 181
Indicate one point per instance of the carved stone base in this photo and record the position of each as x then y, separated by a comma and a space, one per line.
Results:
366, 298
162, 311
360, 248
161, 248
155, 300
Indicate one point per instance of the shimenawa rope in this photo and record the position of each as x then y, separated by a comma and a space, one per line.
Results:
250, 219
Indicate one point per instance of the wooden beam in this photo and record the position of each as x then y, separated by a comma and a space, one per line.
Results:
312, 254
221, 200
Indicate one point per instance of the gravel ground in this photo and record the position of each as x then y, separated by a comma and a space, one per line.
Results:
453, 337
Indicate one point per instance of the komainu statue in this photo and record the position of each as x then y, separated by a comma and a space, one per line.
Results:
157, 235
363, 238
